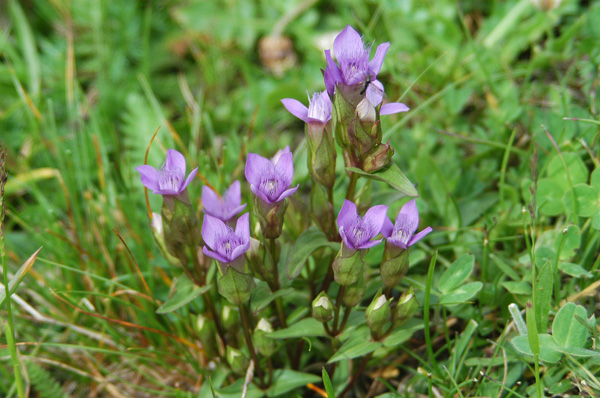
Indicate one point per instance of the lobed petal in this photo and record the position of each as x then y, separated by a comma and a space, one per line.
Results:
393, 107
347, 44
374, 219
149, 176
377, 61
332, 74
242, 227
347, 215
212, 228
214, 255
345, 239
287, 193
375, 92
412, 215
189, 179
296, 108
241, 249
285, 168
211, 202
175, 163
260, 194
369, 244
233, 195
387, 228
420, 236
256, 167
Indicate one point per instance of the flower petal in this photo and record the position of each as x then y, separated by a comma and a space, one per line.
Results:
348, 42
377, 61
387, 228
345, 239
212, 227
150, 177
260, 194
287, 193
393, 107
412, 215
233, 195
296, 108
375, 92
175, 163
420, 236
241, 249
332, 74
347, 215
214, 255
211, 202
232, 212
285, 168
369, 244
256, 166
189, 179
374, 219
242, 227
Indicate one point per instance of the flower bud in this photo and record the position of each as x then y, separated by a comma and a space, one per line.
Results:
237, 360
321, 153
322, 308
347, 266
406, 308
159, 237
230, 317
235, 286
377, 158
322, 210
263, 344
353, 293
205, 330
180, 227
270, 216
394, 265
378, 314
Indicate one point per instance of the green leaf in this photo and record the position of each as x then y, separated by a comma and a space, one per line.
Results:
236, 286
504, 267
327, 383
568, 331
391, 175
518, 288
595, 179
183, 290
574, 270
577, 169
543, 296
262, 296
571, 240
532, 331
288, 380
461, 294
549, 196
354, 348
403, 333
457, 273
586, 199
548, 348
309, 241
307, 327
14, 282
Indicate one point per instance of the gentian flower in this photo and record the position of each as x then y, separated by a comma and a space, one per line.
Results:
355, 68
356, 231
270, 179
223, 243
225, 208
402, 233
170, 179
318, 111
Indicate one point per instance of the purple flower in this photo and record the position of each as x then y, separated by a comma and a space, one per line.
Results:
224, 208
356, 68
222, 242
270, 179
318, 111
356, 231
402, 233
170, 178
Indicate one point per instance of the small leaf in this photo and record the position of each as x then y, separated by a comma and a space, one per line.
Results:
574, 270
457, 273
403, 333
461, 294
548, 348
262, 297
309, 241
568, 331
354, 348
532, 332
307, 327
549, 196
327, 384
287, 380
571, 240
577, 169
543, 296
586, 200
518, 288
183, 290
391, 175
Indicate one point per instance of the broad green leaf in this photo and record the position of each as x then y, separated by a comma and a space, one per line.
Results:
578, 351
457, 273
14, 282
532, 331
574, 270
549, 196
391, 175
287, 380
327, 384
262, 296
307, 327
571, 240
586, 200
309, 241
518, 288
543, 296
461, 294
568, 331
548, 347
595, 179
354, 348
403, 333
183, 290
575, 165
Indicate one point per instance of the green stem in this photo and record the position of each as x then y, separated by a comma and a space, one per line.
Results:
246, 327
538, 383
428, 343
555, 271
352, 187
338, 304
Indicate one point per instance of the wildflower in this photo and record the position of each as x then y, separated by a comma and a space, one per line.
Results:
225, 208
170, 179
402, 233
224, 244
270, 179
356, 231
318, 111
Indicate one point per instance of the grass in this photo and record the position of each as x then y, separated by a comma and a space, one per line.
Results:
501, 141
